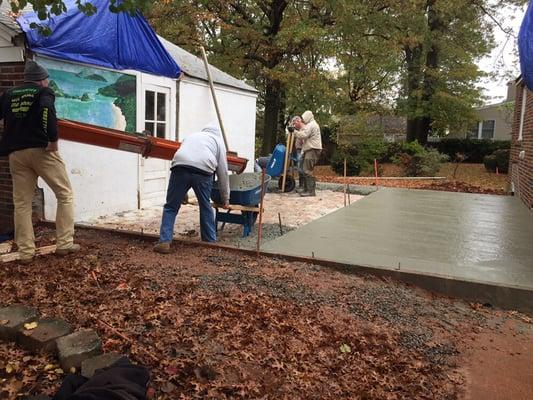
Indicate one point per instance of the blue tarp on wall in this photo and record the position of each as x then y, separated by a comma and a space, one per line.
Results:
525, 46
117, 41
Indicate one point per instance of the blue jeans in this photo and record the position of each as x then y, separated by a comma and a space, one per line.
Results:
181, 180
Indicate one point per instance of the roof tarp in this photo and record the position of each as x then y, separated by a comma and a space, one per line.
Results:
525, 47
118, 41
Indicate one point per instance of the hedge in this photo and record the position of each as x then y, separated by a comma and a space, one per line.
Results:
474, 149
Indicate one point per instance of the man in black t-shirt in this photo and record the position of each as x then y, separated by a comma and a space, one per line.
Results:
30, 141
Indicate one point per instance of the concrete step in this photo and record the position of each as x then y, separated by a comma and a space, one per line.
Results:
13, 318
89, 366
43, 337
77, 347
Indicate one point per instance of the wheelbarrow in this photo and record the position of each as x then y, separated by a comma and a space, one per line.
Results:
245, 196
276, 166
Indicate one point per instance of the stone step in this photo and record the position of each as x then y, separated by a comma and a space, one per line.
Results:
77, 347
13, 318
89, 366
43, 337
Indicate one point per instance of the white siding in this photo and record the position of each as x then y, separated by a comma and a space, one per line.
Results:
104, 181
238, 108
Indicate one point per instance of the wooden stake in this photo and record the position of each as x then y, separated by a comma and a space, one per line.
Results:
280, 226
376, 170
260, 231
127, 339
344, 188
349, 202
286, 161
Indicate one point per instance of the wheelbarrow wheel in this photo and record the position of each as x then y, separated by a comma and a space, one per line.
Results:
290, 183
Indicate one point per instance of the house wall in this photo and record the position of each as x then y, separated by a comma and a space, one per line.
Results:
104, 181
501, 114
12, 74
238, 109
522, 168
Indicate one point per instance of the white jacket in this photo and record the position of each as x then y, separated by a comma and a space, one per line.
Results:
310, 133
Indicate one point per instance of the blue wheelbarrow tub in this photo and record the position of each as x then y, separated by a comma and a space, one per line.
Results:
245, 189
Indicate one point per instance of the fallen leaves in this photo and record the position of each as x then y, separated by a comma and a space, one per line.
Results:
31, 325
216, 325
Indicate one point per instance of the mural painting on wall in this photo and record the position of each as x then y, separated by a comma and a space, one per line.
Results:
93, 95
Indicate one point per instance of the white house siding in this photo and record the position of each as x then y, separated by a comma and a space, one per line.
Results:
104, 181
238, 108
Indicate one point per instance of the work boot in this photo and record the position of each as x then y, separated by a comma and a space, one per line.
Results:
162, 248
311, 185
302, 187
69, 250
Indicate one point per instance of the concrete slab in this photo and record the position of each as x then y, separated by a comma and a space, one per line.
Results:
467, 241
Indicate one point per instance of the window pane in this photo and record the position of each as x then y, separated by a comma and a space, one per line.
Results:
149, 126
149, 98
161, 130
161, 107
488, 129
472, 132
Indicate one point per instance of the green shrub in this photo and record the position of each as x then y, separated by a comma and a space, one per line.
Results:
490, 163
348, 152
359, 156
416, 160
474, 149
502, 160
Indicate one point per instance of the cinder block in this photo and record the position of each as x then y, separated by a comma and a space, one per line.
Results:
89, 366
13, 318
43, 338
77, 347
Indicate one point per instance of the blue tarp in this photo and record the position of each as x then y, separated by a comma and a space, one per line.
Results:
118, 41
525, 47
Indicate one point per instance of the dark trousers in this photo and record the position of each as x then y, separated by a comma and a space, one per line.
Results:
181, 180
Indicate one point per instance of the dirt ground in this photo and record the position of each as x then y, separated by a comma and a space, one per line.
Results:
216, 324
293, 210
470, 178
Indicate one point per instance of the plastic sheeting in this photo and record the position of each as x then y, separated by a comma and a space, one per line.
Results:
525, 47
118, 41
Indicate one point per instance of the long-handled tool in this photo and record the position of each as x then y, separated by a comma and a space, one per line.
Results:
212, 87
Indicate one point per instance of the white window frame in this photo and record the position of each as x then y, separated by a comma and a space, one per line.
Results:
167, 92
480, 132
522, 114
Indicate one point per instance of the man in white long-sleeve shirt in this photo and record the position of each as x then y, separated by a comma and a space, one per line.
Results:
200, 156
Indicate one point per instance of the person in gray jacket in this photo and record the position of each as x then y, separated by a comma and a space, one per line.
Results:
309, 132
200, 156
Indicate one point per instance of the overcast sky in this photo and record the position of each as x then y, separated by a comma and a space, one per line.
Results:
504, 58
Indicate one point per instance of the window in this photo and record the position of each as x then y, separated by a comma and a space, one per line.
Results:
473, 131
522, 113
487, 131
155, 114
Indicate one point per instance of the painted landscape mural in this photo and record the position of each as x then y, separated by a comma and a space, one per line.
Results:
93, 95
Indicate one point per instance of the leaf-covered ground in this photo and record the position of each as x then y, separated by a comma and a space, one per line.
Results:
214, 324
469, 178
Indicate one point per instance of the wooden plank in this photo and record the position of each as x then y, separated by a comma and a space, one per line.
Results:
237, 207
41, 251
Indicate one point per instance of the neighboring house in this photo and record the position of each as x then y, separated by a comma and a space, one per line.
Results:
494, 120
521, 162
155, 86
390, 127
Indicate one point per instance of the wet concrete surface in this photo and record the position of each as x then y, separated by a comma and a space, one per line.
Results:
483, 239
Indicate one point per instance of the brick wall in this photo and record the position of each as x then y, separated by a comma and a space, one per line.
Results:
522, 170
11, 74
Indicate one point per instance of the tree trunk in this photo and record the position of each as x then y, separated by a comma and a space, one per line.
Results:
430, 79
414, 73
271, 119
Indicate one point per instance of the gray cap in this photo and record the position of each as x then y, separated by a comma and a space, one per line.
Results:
33, 72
